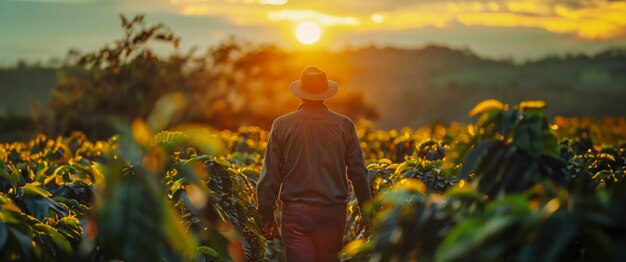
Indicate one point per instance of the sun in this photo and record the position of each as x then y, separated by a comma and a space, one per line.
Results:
308, 33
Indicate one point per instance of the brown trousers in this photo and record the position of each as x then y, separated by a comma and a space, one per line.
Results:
312, 233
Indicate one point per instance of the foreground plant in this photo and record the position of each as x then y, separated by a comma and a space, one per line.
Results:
516, 199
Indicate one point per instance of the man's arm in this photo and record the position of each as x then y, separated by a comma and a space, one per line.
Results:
357, 172
269, 183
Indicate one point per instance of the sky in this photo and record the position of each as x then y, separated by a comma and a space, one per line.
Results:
37, 30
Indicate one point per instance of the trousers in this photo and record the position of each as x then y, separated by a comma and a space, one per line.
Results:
312, 233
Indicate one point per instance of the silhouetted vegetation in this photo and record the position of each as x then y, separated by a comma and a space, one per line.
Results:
233, 84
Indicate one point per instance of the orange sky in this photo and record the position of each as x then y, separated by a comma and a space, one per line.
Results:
592, 19
506, 28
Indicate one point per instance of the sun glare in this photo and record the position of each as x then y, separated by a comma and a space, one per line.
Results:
308, 33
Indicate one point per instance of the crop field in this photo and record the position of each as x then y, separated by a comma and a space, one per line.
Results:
510, 186
137, 130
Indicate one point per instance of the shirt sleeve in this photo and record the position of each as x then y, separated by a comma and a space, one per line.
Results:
357, 172
271, 178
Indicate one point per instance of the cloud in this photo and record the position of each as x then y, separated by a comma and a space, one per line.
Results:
273, 2
528, 7
586, 19
312, 16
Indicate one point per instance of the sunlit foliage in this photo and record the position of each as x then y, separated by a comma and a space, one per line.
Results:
482, 191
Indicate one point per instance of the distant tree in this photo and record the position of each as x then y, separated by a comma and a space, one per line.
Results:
124, 81
233, 84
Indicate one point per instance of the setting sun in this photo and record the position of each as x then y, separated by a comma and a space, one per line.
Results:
308, 33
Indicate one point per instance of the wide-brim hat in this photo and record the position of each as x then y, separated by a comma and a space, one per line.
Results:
313, 85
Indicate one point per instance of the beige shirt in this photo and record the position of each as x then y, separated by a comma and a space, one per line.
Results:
310, 155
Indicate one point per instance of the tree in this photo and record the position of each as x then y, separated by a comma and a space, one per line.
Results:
235, 83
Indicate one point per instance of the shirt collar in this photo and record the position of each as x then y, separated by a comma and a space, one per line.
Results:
312, 106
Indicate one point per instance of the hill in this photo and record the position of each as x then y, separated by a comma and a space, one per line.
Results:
414, 87
418, 87
22, 86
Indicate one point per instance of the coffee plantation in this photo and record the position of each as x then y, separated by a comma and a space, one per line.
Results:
510, 186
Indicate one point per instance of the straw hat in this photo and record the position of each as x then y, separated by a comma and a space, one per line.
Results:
313, 85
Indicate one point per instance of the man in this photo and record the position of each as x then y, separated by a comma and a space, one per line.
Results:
308, 154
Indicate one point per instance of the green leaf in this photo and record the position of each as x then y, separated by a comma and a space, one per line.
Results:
59, 240
69, 227
196, 159
57, 172
521, 137
69, 222
466, 192
223, 162
12, 178
487, 118
508, 120
10, 217
252, 173
33, 189
208, 251
532, 104
177, 186
466, 238
41, 171
458, 243
353, 248
188, 170
475, 157
550, 142
170, 139
40, 208
205, 140
485, 106
72, 203
602, 174
426, 144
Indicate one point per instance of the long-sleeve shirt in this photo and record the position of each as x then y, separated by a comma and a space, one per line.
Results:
311, 153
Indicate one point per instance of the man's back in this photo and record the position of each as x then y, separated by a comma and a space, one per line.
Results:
308, 154
314, 145
310, 149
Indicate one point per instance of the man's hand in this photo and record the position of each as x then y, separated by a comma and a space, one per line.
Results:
270, 230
